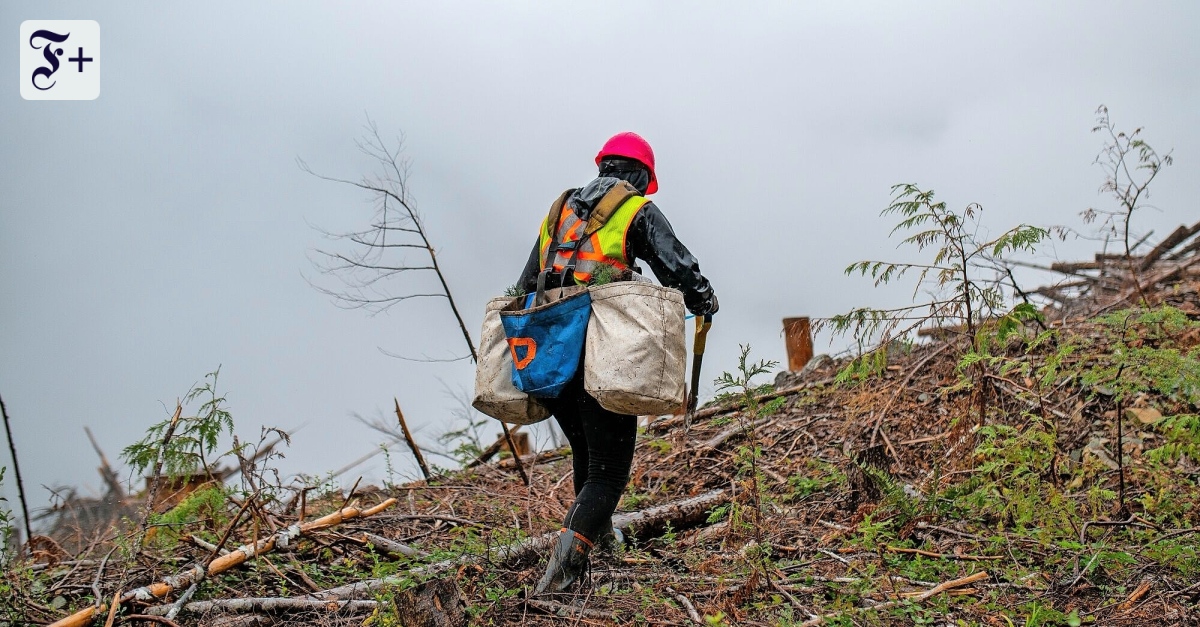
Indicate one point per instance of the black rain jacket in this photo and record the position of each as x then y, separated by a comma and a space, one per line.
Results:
650, 239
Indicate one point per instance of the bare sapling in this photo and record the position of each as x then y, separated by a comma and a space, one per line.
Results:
1130, 165
372, 268
739, 387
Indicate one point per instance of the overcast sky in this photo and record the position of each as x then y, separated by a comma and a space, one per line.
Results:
165, 229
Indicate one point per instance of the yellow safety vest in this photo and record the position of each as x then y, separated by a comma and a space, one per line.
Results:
600, 239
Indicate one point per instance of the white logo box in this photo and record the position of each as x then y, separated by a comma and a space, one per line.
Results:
60, 60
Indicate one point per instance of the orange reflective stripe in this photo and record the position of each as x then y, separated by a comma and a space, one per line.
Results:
580, 275
607, 245
530, 347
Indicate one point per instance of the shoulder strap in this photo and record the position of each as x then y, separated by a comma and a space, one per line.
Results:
552, 223
608, 205
556, 213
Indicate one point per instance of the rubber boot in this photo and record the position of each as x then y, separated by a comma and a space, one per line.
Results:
611, 541
567, 562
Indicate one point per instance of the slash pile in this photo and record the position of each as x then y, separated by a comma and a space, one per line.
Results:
1074, 498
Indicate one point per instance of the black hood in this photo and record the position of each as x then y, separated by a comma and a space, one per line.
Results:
584, 199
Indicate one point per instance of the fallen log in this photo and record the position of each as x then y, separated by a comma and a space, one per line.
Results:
1185, 251
736, 429
1167, 275
268, 604
643, 523
391, 546
223, 563
437, 603
1176, 238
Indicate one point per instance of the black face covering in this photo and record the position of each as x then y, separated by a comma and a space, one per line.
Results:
629, 170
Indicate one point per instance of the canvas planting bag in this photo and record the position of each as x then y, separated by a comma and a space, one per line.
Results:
546, 340
636, 351
495, 394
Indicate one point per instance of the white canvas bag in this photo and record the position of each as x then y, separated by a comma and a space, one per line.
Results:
635, 357
495, 394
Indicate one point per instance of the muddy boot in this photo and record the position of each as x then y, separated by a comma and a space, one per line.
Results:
567, 562
611, 541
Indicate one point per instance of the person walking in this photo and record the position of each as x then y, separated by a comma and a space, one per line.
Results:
602, 442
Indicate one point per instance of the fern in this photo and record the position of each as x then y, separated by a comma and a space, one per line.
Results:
194, 440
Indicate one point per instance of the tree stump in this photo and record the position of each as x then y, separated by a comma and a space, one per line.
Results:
437, 603
863, 488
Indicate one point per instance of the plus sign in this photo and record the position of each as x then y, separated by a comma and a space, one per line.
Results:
80, 59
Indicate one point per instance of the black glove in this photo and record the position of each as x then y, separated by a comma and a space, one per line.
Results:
709, 308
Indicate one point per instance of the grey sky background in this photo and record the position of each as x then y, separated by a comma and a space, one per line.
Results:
162, 230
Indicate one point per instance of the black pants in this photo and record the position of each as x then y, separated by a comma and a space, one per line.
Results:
602, 448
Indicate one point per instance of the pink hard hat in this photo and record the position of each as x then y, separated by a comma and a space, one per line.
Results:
632, 146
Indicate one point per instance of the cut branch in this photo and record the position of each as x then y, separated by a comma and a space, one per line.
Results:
223, 563
269, 604
155, 476
921, 596
106, 471
412, 444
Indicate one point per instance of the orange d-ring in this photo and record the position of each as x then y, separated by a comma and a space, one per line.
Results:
530, 347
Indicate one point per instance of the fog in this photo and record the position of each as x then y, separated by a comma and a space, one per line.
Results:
165, 229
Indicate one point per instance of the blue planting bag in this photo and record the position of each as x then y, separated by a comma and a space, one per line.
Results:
546, 342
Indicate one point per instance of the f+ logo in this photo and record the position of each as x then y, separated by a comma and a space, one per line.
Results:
44, 77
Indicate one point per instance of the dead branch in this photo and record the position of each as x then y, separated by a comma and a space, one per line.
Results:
1177, 237
942, 587
512, 446
495, 447
152, 493
106, 471
269, 604
12, 449
153, 619
717, 410
1135, 596
736, 429
679, 514
412, 444
112, 612
397, 213
944, 556
224, 563
687, 605
390, 188
1163, 277
393, 547
878, 424
563, 610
